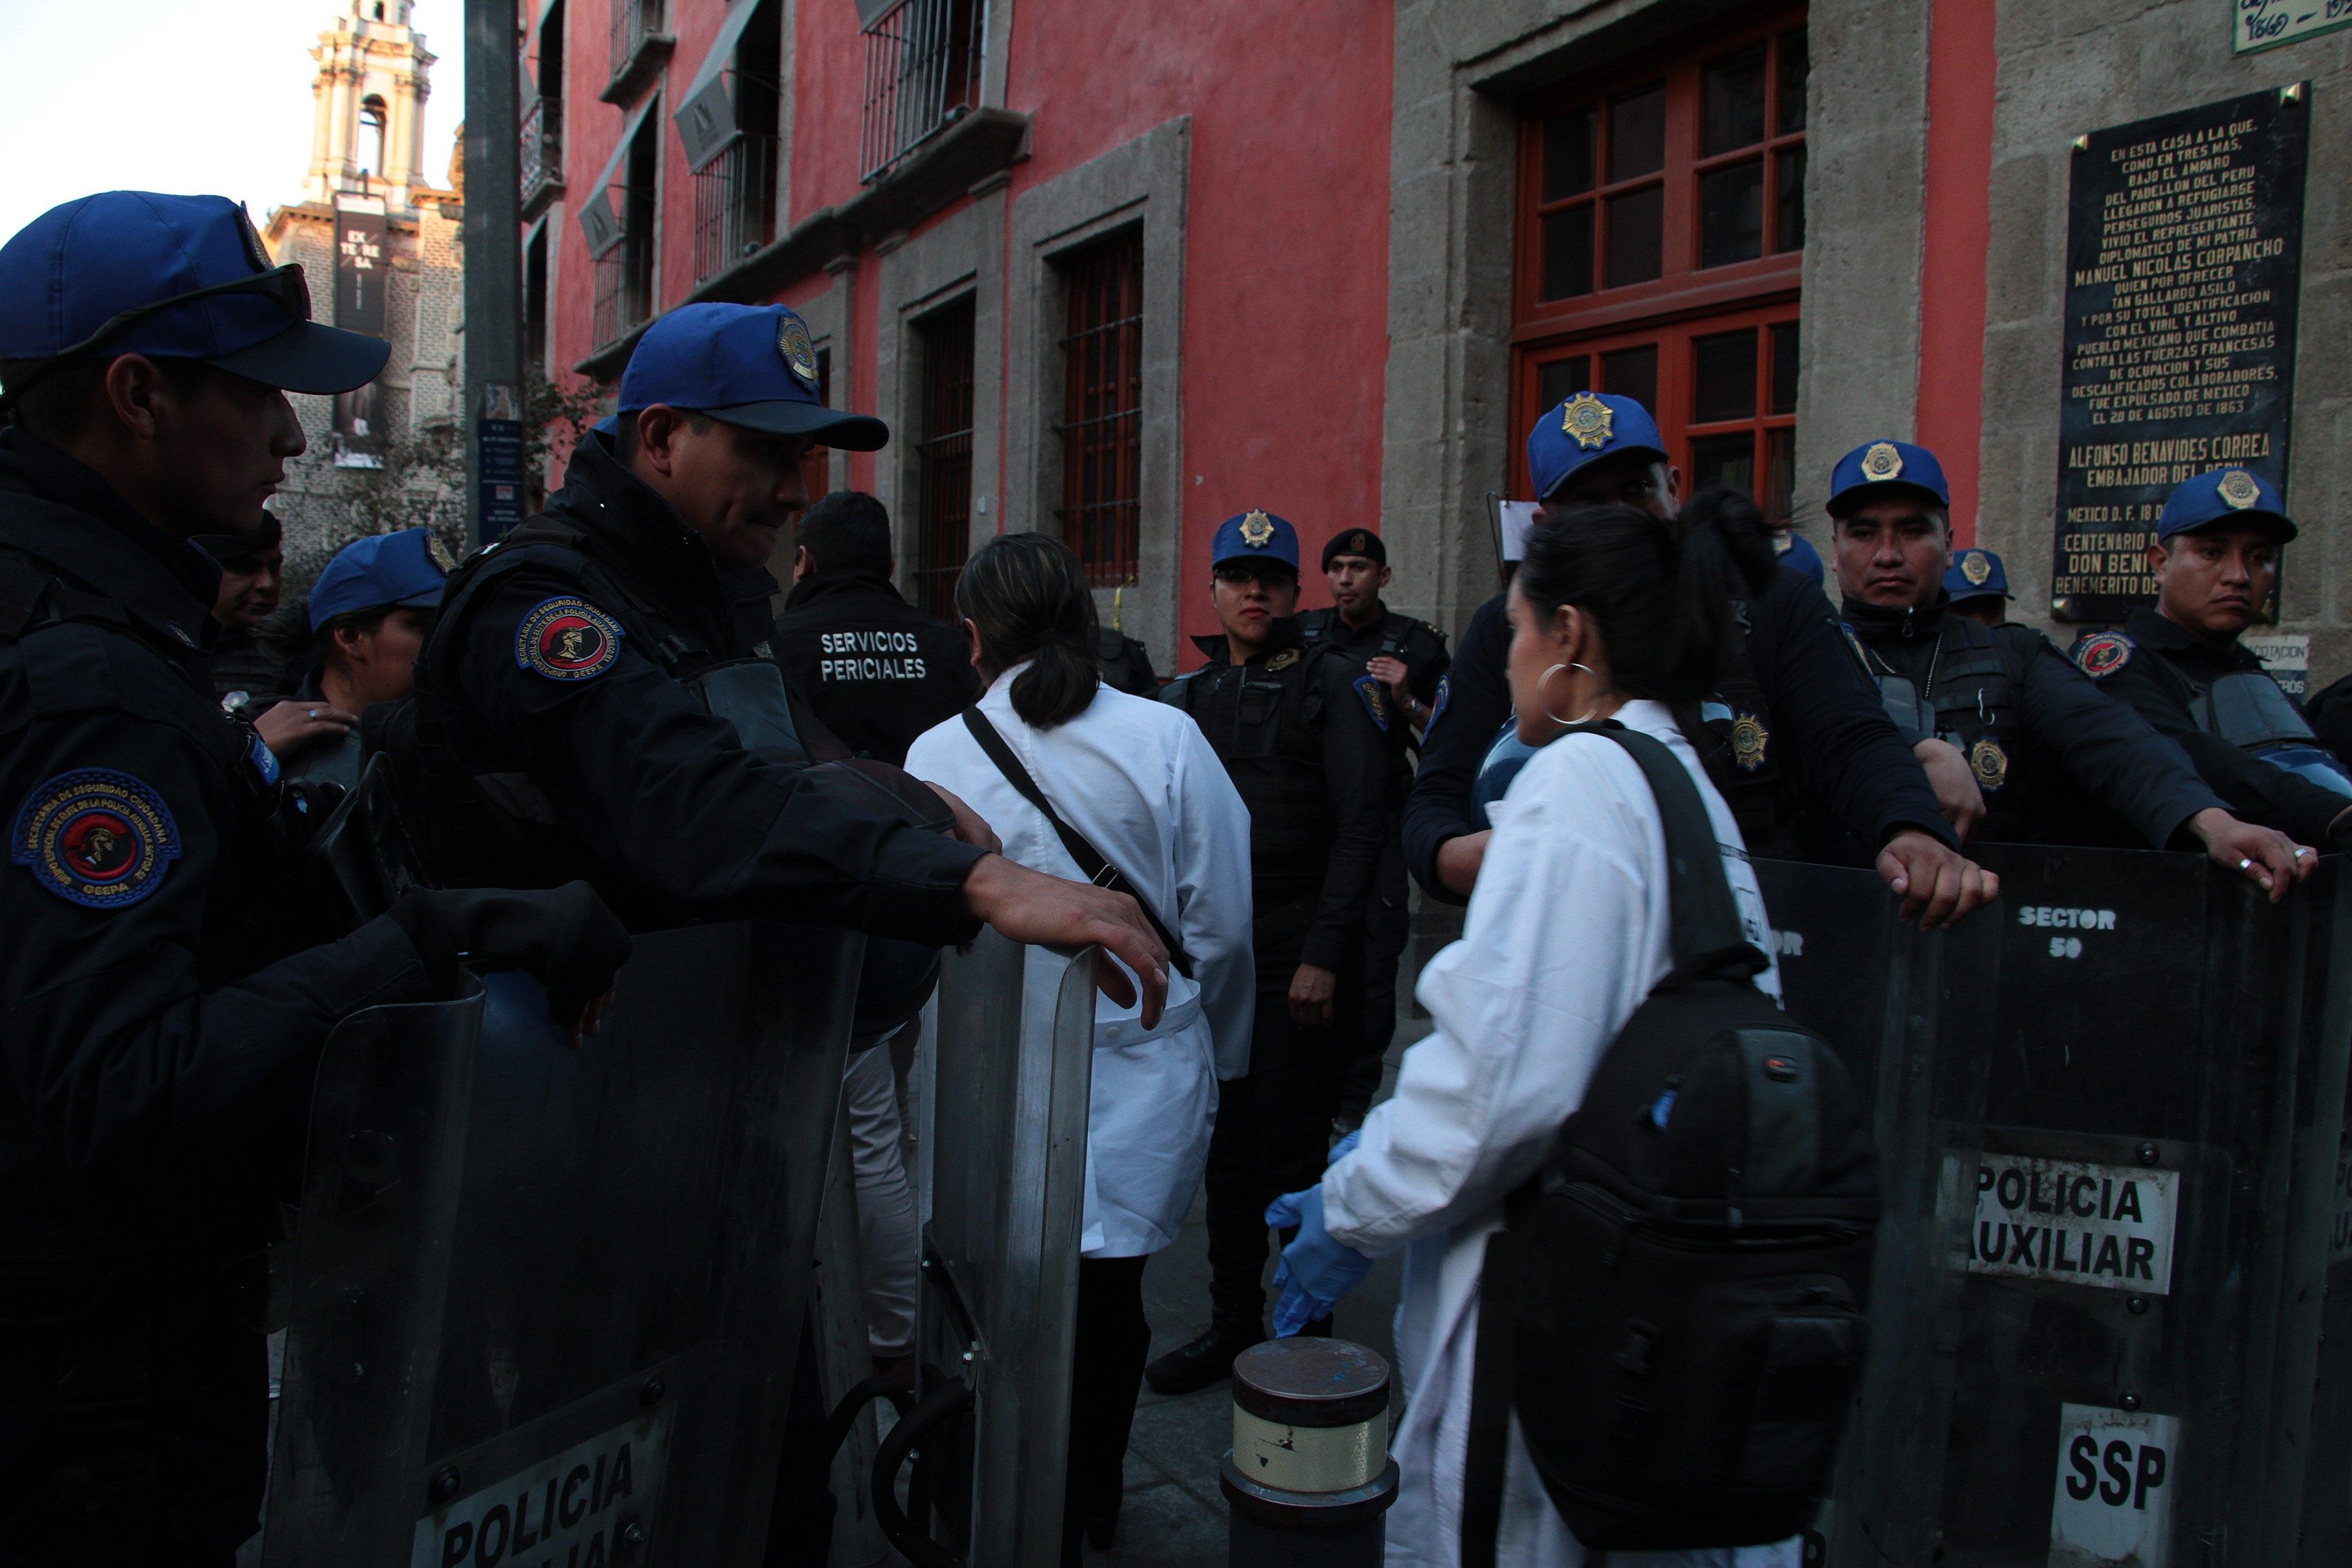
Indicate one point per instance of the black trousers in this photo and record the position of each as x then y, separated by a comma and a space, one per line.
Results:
1106, 1374
1387, 929
1274, 1127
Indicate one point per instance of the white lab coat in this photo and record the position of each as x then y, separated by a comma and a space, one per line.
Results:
1566, 933
1138, 781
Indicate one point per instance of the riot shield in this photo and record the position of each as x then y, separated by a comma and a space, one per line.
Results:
2131, 1125
547, 1301
1000, 1090
1906, 1013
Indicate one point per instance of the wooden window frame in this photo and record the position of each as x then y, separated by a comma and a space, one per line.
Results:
1101, 426
1686, 301
943, 455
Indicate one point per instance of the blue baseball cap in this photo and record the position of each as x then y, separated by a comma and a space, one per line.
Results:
752, 365
1256, 535
1877, 468
1976, 574
1798, 554
2224, 496
406, 569
185, 277
1583, 428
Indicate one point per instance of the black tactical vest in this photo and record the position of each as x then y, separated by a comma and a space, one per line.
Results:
1971, 699
1265, 721
485, 827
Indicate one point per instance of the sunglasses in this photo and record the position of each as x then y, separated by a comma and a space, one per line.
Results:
283, 285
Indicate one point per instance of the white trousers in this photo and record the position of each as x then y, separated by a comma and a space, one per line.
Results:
889, 1233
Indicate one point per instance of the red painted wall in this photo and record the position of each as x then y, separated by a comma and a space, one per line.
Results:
1286, 282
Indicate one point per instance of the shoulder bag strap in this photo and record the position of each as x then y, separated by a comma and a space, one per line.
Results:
1706, 936
1099, 871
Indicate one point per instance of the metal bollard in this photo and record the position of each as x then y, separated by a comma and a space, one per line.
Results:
1308, 1480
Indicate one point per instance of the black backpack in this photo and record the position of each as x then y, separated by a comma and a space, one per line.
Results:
1674, 1308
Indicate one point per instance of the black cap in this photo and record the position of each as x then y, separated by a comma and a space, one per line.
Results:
1355, 542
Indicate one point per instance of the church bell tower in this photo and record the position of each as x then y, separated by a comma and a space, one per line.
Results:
367, 136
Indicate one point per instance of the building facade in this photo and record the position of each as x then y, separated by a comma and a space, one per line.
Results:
1120, 271
379, 245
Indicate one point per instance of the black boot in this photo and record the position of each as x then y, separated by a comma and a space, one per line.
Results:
1208, 1359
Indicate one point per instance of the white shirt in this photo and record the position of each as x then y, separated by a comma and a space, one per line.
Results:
1138, 781
1567, 931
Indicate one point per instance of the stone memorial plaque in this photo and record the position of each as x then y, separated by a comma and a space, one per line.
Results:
2184, 255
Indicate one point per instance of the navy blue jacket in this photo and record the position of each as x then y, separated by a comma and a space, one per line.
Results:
1831, 721
668, 813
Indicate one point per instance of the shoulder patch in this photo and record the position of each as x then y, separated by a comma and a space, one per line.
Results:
567, 639
1853, 640
1375, 698
263, 760
1437, 704
2102, 653
95, 837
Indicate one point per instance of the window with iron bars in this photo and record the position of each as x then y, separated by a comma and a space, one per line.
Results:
922, 75
734, 204
635, 21
624, 274
1102, 407
735, 193
541, 132
943, 457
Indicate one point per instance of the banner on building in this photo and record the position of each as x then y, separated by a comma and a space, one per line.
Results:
362, 279
2184, 259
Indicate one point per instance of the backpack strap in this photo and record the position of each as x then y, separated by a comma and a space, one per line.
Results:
1489, 1450
1098, 870
1707, 939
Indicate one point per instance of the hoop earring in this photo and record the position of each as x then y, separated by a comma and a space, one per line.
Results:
1564, 723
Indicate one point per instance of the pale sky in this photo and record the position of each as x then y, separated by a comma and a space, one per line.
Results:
182, 96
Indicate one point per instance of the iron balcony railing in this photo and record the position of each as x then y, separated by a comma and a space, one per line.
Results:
922, 75
542, 148
633, 22
734, 205
625, 277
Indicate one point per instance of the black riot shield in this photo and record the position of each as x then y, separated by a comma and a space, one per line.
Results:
2134, 1119
1001, 1089
547, 1301
1904, 1012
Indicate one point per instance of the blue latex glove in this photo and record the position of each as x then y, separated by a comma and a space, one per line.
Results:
1344, 1147
1316, 1271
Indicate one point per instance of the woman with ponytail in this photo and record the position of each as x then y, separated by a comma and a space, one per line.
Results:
1617, 616
1137, 782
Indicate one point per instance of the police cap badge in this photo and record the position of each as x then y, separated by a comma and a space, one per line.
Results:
792, 343
1257, 529
2238, 487
439, 554
1587, 419
1976, 568
1881, 463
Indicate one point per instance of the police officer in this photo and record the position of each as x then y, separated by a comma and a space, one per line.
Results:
1301, 734
166, 996
1407, 657
1797, 711
252, 577
568, 714
878, 670
1977, 586
2004, 702
368, 614
2180, 663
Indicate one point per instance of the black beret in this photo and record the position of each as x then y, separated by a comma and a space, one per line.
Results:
1355, 542
228, 549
